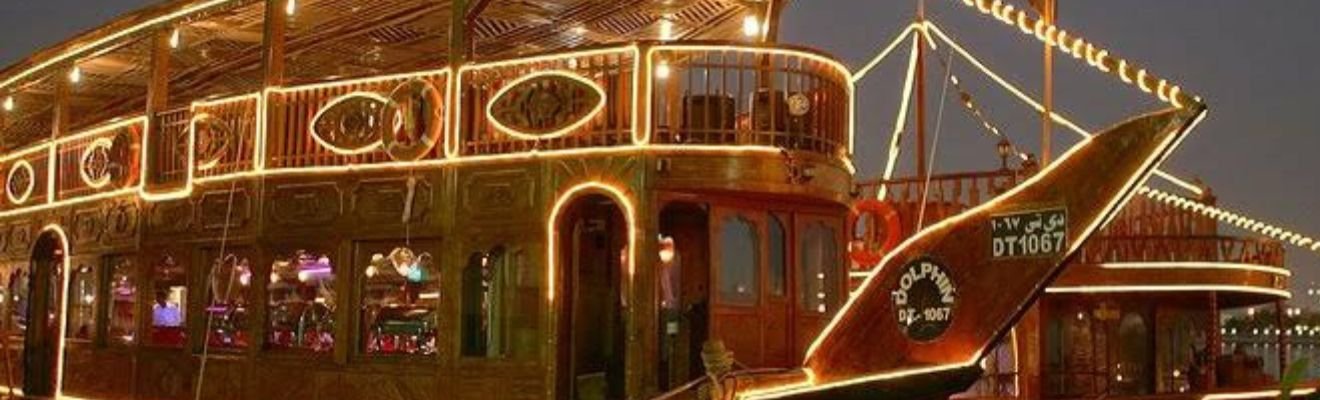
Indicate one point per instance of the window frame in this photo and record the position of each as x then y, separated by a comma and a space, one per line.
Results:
105, 290
95, 271
362, 250
146, 300
343, 287
756, 219
199, 277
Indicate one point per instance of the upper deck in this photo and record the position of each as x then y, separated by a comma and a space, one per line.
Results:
151, 106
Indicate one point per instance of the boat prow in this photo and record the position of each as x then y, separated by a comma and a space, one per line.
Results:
922, 322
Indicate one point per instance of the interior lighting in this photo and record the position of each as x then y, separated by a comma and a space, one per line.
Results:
75, 75
290, 7
666, 27
9, 103
175, 38
751, 26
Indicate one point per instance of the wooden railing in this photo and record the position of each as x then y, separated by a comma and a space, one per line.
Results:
226, 136
1220, 249
943, 195
98, 161
612, 70
291, 114
742, 96
169, 165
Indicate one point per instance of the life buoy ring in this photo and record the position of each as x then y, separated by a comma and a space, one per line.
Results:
860, 251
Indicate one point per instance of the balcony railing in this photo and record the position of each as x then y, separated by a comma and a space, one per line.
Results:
747, 96
1217, 249
943, 196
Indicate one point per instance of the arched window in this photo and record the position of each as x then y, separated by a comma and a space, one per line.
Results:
818, 264
122, 321
400, 294
82, 303
301, 302
1132, 373
739, 258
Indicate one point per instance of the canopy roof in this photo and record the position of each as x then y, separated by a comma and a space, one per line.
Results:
217, 46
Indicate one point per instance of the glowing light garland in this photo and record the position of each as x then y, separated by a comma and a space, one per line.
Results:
615, 193
1079, 48
1262, 394
580, 122
1235, 219
900, 121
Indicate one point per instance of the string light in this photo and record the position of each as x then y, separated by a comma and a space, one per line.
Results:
175, 38
1235, 219
666, 27
1053, 36
751, 26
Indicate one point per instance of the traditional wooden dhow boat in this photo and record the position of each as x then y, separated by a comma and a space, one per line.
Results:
477, 199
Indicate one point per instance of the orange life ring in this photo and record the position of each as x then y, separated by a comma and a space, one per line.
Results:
859, 250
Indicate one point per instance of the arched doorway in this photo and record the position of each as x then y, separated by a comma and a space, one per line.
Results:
591, 236
41, 343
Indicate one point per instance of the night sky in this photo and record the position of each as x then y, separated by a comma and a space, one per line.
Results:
1254, 62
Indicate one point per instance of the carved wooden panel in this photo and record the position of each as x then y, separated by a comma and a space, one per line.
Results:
302, 204
224, 380
546, 104
375, 386
121, 220
87, 226
164, 376
4, 238
171, 217
504, 192
226, 208
276, 381
98, 374
385, 201
20, 238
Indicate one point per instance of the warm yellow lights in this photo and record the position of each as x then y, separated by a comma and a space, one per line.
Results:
1235, 219
751, 26
75, 74
1199, 265
618, 195
667, 27
662, 69
290, 7
902, 36
1094, 289
1053, 36
23, 193
176, 38
582, 121
1262, 394
900, 121
9, 103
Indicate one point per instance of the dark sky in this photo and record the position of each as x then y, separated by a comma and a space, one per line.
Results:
1253, 61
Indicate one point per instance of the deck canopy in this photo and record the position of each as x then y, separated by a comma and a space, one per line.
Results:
219, 47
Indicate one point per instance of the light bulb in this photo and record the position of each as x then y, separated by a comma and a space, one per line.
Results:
9, 103
75, 75
175, 38
751, 26
666, 28
291, 7
662, 70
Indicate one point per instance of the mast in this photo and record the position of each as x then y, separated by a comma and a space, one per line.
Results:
1049, 12
921, 92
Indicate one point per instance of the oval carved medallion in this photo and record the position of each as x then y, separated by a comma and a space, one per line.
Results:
353, 123
214, 138
20, 182
545, 105
96, 163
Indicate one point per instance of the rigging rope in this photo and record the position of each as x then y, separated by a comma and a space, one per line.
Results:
229, 287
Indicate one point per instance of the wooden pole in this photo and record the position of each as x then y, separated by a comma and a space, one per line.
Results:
921, 92
1050, 14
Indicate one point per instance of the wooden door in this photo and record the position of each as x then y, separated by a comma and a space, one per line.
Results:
41, 343
820, 276
738, 256
776, 311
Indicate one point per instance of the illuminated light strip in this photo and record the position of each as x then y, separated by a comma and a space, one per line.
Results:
1124, 194
850, 86
52, 165
72, 53
1262, 394
1198, 265
259, 142
64, 302
809, 385
1093, 289
1052, 36
861, 73
82, 168
434, 73
1235, 219
630, 214
188, 171
1061, 120
900, 121
316, 136
582, 121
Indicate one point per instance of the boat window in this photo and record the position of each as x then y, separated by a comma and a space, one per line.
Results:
400, 289
495, 286
739, 257
818, 265
301, 302
778, 257
1132, 373
82, 303
168, 311
228, 288
122, 321
18, 300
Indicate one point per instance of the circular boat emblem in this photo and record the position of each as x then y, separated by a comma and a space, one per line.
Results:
924, 299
